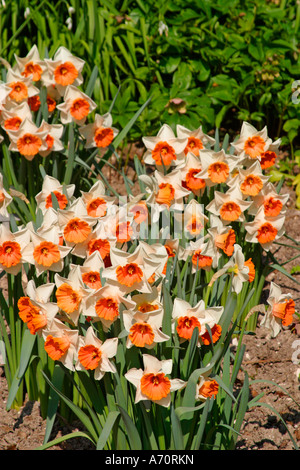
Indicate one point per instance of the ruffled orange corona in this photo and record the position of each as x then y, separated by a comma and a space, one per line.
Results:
251, 185
34, 103
193, 183
218, 172
96, 207
186, 326
285, 311
12, 123
92, 279
100, 245
254, 146
272, 207
230, 211
107, 309
56, 347
267, 159
129, 274
226, 241
33, 69
193, 146
29, 145
163, 154
141, 334
67, 298
155, 386
209, 389
65, 74
76, 230
266, 233
36, 322
80, 108
10, 254
103, 136
200, 260
46, 254
89, 356
165, 194
216, 331
19, 91
51, 103
61, 199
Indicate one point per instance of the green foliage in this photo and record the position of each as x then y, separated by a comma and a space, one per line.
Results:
185, 64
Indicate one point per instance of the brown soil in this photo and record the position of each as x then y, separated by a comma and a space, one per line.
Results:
266, 359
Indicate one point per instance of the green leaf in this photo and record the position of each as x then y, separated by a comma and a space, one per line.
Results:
133, 435
107, 428
176, 430
28, 341
59, 440
84, 419
57, 379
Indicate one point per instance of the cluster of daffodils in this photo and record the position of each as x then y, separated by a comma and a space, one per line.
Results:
105, 268
20, 100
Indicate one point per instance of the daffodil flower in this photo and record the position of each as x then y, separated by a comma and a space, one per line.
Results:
189, 173
31, 65
165, 149
144, 329
28, 139
97, 241
45, 251
21, 88
75, 225
131, 271
186, 318
280, 311
63, 194
165, 192
274, 204
12, 247
60, 343
229, 206
96, 202
14, 114
90, 270
223, 236
94, 354
265, 230
105, 305
71, 294
250, 180
206, 387
251, 142
197, 139
153, 382
216, 166
237, 268
202, 252
66, 69
53, 138
99, 133
76, 106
